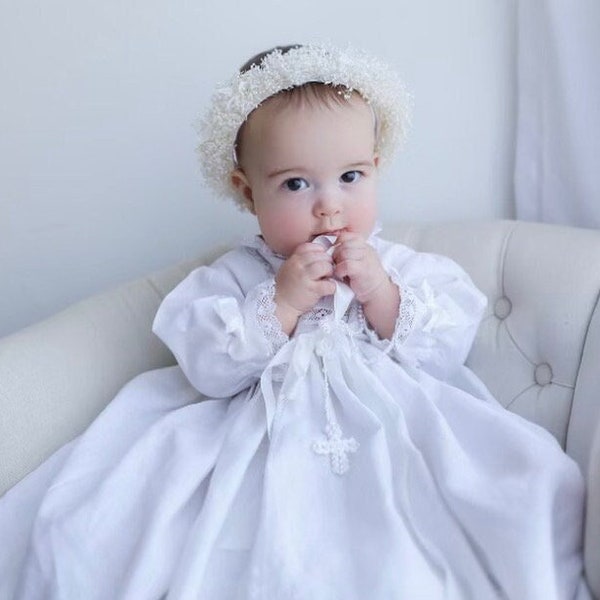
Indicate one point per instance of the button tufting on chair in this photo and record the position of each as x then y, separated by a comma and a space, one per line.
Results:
543, 374
502, 307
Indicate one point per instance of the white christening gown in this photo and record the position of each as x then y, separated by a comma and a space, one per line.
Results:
329, 466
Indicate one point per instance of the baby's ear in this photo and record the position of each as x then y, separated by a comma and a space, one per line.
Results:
242, 185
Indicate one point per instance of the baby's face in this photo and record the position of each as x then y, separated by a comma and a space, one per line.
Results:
309, 169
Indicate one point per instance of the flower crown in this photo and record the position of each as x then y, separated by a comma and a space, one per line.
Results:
234, 100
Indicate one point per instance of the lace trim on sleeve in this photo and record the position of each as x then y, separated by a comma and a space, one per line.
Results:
406, 315
265, 316
405, 321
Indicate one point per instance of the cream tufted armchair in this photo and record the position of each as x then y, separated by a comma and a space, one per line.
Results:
538, 348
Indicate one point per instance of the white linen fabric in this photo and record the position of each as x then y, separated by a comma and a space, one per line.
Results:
326, 466
557, 179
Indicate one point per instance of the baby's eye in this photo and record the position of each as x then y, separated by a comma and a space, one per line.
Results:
295, 184
351, 176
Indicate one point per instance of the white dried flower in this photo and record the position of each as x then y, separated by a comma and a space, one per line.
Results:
234, 100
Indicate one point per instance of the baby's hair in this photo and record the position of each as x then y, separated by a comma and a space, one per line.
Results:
257, 59
311, 93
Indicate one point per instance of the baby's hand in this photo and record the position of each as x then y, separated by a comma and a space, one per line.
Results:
357, 263
303, 279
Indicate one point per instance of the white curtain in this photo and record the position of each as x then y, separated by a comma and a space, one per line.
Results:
557, 168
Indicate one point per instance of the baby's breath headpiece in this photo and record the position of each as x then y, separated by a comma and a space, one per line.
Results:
234, 100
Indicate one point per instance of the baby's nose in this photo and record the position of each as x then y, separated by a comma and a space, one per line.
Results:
327, 205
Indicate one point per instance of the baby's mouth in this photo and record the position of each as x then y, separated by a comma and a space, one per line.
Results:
332, 233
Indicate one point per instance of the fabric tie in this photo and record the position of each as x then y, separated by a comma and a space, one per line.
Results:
311, 350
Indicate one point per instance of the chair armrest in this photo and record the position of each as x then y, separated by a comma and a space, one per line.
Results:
56, 376
583, 444
592, 520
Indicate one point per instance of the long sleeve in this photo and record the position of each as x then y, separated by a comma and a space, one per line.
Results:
440, 310
220, 324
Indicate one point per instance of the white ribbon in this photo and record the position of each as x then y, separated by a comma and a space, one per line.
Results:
343, 293
311, 349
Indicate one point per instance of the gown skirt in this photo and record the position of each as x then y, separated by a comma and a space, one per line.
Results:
340, 475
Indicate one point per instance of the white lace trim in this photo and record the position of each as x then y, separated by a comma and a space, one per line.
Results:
315, 315
266, 318
405, 320
322, 313
406, 315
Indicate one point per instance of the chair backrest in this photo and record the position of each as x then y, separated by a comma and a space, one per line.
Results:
538, 347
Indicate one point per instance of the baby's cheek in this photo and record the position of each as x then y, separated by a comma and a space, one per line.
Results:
364, 216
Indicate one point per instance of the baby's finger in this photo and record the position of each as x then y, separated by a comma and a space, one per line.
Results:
350, 240
347, 252
342, 270
351, 269
325, 287
318, 269
348, 236
309, 248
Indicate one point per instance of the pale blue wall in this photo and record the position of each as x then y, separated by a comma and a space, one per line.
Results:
98, 180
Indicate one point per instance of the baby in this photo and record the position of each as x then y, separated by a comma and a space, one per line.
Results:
320, 437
